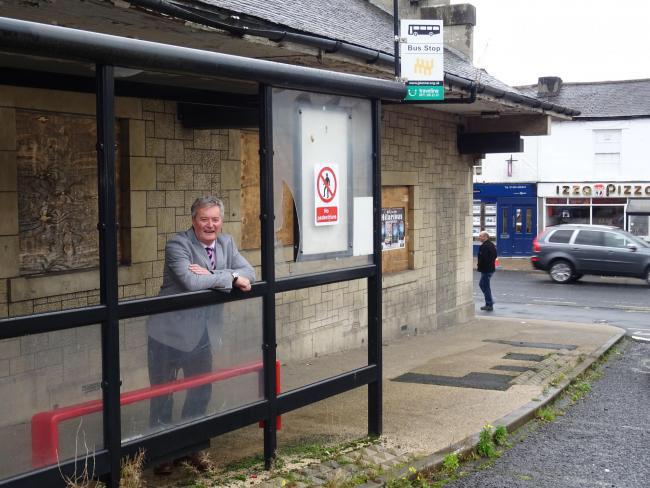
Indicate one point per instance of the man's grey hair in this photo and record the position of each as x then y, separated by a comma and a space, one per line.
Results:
205, 202
484, 233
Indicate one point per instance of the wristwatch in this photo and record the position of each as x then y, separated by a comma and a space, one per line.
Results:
235, 275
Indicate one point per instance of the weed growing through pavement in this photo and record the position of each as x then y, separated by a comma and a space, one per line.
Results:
451, 463
547, 414
131, 471
485, 446
501, 436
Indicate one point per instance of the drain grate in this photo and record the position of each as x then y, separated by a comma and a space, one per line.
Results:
524, 357
481, 381
538, 345
516, 369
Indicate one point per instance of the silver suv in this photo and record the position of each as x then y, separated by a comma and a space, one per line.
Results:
570, 251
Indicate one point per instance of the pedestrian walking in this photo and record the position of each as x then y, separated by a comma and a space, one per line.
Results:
487, 256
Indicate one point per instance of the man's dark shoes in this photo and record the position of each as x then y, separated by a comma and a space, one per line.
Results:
487, 308
163, 469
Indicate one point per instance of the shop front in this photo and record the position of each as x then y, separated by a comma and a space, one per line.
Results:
509, 215
604, 203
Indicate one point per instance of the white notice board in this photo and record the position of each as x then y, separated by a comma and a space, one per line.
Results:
324, 142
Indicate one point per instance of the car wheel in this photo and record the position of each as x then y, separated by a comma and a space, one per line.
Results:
576, 277
561, 271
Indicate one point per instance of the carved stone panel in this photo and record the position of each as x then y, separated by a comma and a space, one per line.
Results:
57, 191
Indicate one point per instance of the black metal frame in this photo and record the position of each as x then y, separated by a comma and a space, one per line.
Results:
111, 310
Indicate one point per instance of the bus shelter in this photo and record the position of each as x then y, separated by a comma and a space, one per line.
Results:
315, 211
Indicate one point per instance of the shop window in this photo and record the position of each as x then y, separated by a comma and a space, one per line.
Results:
567, 215
639, 225
394, 228
608, 215
529, 221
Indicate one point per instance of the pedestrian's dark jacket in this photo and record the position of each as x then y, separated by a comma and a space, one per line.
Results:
487, 255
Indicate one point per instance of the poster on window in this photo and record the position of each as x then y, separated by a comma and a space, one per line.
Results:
491, 220
392, 228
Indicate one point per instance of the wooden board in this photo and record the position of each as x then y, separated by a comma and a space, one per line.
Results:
250, 198
57, 191
250, 190
396, 259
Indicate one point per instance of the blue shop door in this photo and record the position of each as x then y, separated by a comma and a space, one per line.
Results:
517, 227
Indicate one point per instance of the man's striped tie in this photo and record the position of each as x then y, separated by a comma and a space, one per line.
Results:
211, 256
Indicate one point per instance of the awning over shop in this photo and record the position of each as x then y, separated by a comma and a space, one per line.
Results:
638, 206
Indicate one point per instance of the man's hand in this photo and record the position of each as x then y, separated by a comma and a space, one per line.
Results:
199, 270
242, 283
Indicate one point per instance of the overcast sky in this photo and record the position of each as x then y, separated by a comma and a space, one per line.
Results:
518, 41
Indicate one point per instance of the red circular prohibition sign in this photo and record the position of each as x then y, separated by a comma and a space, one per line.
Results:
327, 185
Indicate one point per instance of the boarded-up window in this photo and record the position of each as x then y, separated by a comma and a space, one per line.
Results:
395, 225
250, 198
57, 191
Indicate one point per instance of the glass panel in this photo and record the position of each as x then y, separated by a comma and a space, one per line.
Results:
322, 331
638, 225
504, 220
579, 201
567, 215
330, 422
518, 222
589, 238
175, 153
322, 182
48, 224
608, 215
529, 221
561, 236
556, 201
219, 346
42, 373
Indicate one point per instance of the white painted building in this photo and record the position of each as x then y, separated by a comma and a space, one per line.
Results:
592, 169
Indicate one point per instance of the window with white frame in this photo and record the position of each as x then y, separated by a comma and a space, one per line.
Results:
607, 153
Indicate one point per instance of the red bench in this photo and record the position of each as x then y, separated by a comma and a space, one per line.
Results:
45, 425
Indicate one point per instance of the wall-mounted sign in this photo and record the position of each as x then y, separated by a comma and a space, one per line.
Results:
595, 190
326, 194
392, 228
500, 190
422, 59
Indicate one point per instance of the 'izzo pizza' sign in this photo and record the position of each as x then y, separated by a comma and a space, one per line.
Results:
603, 190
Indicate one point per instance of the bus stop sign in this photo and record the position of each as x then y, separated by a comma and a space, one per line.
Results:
422, 58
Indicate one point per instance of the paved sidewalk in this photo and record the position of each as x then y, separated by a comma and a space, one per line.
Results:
516, 264
440, 389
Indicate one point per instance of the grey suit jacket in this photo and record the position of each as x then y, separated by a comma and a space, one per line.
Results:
183, 329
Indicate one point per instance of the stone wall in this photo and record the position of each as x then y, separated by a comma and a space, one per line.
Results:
419, 150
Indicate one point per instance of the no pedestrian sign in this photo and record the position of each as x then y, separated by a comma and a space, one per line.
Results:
326, 195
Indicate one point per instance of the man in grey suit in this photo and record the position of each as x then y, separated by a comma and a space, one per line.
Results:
197, 259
